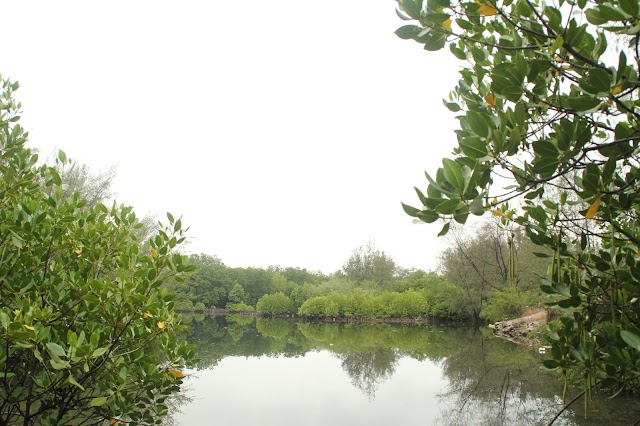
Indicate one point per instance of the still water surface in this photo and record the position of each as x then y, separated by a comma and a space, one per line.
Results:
262, 371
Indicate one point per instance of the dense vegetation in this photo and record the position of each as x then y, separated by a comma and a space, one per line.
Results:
86, 336
371, 286
549, 115
543, 102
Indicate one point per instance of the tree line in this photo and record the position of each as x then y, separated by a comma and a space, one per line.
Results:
472, 284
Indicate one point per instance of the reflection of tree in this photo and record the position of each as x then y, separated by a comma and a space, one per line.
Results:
174, 403
277, 328
369, 368
492, 382
218, 337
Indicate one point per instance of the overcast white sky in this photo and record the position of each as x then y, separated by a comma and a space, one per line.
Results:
285, 132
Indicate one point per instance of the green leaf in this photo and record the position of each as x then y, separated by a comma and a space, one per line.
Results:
584, 103
433, 40
538, 214
544, 148
631, 339
594, 17
402, 15
56, 350
411, 7
557, 44
17, 241
591, 180
411, 211
408, 32
55, 177
73, 381
474, 148
464, 24
428, 216
452, 106
72, 338
453, 173
631, 7
461, 217
476, 207
4, 319
444, 230
479, 123
539, 254
433, 183
545, 167
612, 13
458, 53
448, 206
597, 81
99, 401
58, 364
98, 352
554, 17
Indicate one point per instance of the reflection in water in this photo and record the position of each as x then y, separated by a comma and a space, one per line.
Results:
426, 374
490, 382
369, 368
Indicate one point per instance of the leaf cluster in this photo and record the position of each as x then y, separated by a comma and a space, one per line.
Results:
86, 336
548, 106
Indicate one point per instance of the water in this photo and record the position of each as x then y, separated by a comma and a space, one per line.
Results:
282, 372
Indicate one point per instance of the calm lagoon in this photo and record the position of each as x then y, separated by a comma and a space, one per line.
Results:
268, 372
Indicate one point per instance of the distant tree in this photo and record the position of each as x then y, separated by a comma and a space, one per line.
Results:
299, 275
275, 304
94, 187
280, 284
336, 283
205, 260
303, 292
256, 282
414, 279
210, 282
237, 294
369, 263
491, 260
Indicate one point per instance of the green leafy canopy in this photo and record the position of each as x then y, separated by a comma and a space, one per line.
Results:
86, 336
546, 103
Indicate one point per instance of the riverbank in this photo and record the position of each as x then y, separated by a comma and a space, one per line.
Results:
430, 320
526, 330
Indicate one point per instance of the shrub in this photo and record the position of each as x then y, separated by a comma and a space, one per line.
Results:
507, 304
86, 336
239, 307
275, 304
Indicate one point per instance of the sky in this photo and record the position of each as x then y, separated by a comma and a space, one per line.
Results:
283, 132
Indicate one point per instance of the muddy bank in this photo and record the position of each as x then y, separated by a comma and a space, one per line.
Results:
524, 330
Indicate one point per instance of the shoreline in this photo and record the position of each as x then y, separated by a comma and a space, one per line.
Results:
522, 331
346, 320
